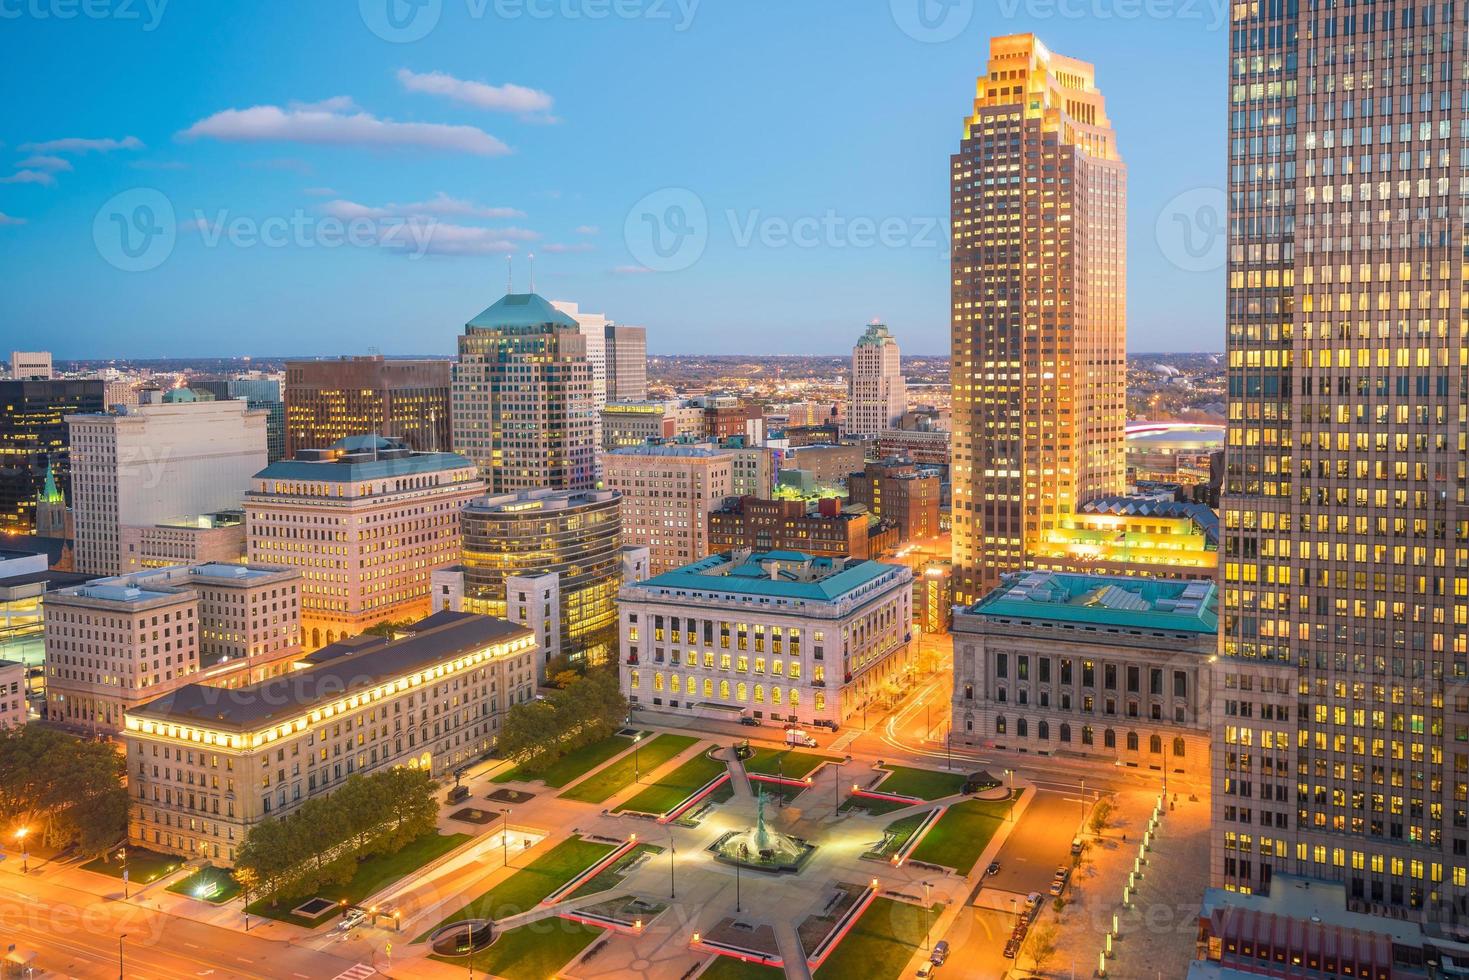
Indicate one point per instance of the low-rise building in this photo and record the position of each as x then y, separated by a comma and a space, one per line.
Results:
777, 634
1136, 534
822, 527
924, 447
114, 643
667, 494
12, 694
629, 423
205, 765
1109, 668
217, 537
25, 579
828, 464
366, 521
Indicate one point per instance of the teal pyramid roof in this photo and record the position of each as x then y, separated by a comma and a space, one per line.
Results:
521, 311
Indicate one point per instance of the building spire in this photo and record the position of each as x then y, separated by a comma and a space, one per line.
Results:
532, 272
509, 274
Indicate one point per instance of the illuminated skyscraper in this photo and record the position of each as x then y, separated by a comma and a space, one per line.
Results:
877, 395
1038, 212
356, 396
524, 397
1341, 716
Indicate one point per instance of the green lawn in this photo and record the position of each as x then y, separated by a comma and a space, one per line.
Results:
961, 834
570, 766
525, 889
786, 762
143, 865
675, 787
196, 884
926, 784
533, 951
898, 833
880, 944
373, 875
729, 968
614, 778
612, 875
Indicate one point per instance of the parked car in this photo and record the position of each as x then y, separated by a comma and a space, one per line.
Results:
795, 736
993, 869
1076, 845
1033, 901
926, 968
940, 952
749, 722
1057, 886
1011, 948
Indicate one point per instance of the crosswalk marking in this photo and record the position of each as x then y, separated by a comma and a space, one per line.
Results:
359, 972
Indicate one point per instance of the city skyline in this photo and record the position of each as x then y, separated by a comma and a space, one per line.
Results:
539, 198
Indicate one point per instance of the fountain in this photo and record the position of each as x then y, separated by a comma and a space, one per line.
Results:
760, 848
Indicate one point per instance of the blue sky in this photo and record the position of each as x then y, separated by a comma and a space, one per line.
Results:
740, 176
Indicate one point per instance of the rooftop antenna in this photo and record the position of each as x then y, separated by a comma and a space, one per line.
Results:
509, 274
532, 272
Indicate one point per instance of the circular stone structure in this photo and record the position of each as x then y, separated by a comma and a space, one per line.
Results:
762, 849
463, 938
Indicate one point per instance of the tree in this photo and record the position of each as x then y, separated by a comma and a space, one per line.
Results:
388, 627
1101, 814
1042, 946
64, 790
589, 708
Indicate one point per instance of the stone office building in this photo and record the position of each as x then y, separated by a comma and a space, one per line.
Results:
1107, 668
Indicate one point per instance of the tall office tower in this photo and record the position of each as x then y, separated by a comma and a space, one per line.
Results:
1039, 206
523, 407
156, 463
627, 363
31, 365
35, 438
367, 521
877, 395
667, 494
1346, 528
258, 393
357, 396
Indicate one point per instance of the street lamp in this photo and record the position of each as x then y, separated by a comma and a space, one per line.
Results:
635, 740
119, 955
1010, 812
671, 851
927, 914
780, 770
505, 837
122, 854
25, 858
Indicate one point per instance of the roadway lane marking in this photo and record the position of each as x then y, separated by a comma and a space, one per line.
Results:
191, 945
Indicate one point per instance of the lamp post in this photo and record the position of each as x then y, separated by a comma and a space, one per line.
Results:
119, 955
836, 790
780, 770
636, 774
470, 961
122, 853
738, 862
927, 914
1083, 806
672, 849
505, 837
1010, 811
25, 857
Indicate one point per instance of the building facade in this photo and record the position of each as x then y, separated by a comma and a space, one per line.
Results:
218, 537
261, 393
877, 394
636, 423
113, 643
899, 491
774, 635
1039, 308
365, 522
574, 536
150, 464
13, 711
35, 442
204, 768
1137, 534
329, 400
31, 365
627, 363
667, 494
1116, 670
1345, 560
828, 465
524, 399
823, 528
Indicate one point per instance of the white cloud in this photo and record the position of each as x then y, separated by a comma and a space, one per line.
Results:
588, 230
630, 270
439, 205
440, 238
496, 98
6, 219
29, 177
79, 144
332, 123
573, 247
44, 163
